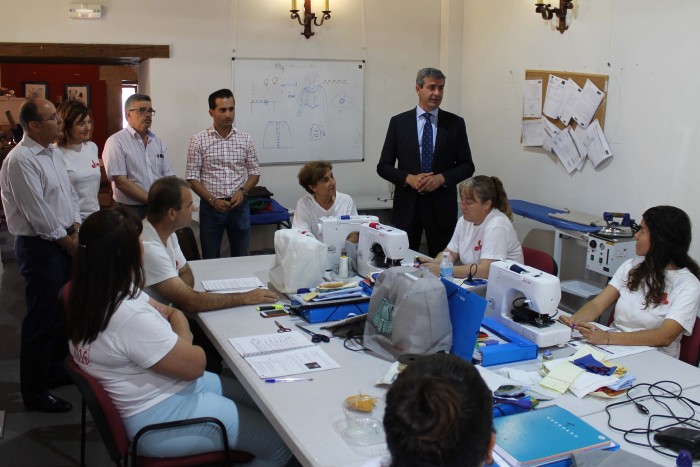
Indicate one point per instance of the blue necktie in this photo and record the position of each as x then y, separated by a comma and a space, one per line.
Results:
426, 164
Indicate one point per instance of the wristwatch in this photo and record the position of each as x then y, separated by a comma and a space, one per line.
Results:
245, 192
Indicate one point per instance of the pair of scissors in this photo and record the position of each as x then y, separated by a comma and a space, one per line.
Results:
281, 328
315, 338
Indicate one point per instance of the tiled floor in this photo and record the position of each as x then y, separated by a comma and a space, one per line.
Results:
34, 438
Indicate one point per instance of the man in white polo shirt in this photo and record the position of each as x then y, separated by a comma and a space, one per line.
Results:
169, 279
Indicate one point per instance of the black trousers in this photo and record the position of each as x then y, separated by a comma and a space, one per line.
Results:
425, 218
44, 344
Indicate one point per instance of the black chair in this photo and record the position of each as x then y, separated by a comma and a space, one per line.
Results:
111, 429
188, 243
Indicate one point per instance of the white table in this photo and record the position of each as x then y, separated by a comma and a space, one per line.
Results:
647, 367
307, 416
627, 417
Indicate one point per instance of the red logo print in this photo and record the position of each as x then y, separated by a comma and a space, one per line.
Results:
478, 246
95, 164
664, 298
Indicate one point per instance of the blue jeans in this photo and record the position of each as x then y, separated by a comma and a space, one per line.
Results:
212, 224
45, 267
248, 429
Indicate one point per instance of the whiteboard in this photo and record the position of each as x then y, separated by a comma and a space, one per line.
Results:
301, 110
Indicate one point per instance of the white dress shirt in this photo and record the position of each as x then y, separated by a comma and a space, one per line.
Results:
37, 195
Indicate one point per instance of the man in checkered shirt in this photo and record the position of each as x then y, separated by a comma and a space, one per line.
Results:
222, 167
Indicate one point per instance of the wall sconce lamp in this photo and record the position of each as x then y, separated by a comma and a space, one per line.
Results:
548, 12
84, 11
310, 17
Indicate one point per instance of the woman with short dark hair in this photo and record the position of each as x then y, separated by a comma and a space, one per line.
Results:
322, 198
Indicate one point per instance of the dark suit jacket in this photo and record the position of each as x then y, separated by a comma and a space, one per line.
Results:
452, 158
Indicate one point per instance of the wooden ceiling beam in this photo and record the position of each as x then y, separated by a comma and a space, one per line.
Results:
100, 54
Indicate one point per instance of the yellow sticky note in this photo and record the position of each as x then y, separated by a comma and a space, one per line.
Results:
560, 377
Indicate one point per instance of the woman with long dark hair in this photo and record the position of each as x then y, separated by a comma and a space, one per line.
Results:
657, 296
141, 351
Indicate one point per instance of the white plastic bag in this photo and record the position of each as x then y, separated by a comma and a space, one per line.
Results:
300, 261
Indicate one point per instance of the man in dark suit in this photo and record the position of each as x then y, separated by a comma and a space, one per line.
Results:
433, 156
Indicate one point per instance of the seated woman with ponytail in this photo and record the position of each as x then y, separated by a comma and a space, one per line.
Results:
484, 233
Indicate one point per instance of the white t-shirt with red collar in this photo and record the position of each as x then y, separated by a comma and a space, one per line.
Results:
495, 238
681, 302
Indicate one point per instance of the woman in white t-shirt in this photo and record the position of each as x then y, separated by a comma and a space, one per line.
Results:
80, 154
322, 199
484, 233
656, 297
141, 352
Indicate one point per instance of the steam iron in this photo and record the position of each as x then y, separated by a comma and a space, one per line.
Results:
625, 228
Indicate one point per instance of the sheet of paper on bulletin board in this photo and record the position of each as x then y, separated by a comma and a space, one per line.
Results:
600, 81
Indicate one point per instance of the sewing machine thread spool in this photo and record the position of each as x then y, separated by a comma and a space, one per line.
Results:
343, 267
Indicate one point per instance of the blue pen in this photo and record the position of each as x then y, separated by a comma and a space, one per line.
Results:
287, 380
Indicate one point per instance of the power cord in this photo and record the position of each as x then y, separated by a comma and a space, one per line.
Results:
657, 393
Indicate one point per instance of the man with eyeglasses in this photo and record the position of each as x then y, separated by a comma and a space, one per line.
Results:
222, 167
43, 213
135, 157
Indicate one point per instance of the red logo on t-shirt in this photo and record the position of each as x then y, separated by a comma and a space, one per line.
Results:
95, 164
664, 298
478, 246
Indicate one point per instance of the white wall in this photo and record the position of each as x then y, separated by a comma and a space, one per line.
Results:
652, 117
652, 121
395, 37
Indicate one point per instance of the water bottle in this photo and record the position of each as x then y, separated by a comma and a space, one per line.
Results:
446, 267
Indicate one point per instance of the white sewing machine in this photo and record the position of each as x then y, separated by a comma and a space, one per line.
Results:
380, 247
511, 282
333, 230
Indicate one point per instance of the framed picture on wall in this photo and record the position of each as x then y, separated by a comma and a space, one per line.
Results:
77, 92
33, 89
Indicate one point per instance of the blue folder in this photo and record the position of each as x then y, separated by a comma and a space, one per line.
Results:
466, 313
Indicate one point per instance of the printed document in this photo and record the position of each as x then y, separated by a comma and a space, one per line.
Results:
588, 104
282, 354
242, 284
533, 132
572, 92
532, 98
554, 97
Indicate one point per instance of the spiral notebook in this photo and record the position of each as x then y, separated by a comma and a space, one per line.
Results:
282, 354
543, 436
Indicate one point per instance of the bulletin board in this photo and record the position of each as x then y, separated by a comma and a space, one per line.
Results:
601, 82
301, 110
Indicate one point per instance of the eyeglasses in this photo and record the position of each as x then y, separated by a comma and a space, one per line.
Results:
144, 110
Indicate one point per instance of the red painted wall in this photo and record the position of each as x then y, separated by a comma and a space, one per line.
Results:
13, 74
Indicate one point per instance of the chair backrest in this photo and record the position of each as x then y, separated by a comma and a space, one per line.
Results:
104, 414
188, 243
540, 260
690, 346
